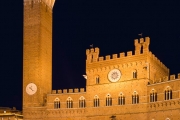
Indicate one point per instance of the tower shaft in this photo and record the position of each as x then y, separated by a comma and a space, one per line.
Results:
37, 50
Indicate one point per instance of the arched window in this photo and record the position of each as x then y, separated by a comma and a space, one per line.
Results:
134, 74
121, 99
69, 102
56, 103
96, 101
168, 93
135, 98
97, 79
108, 100
82, 103
153, 96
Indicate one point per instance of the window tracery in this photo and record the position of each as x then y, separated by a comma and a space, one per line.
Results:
69, 102
168, 93
96, 101
153, 96
56, 103
121, 99
82, 103
135, 98
108, 100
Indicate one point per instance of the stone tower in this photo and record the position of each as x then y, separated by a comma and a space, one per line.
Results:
37, 53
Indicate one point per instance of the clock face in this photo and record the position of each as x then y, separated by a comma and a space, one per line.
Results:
114, 75
31, 88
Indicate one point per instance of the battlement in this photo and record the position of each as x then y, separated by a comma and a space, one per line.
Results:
64, 91
141, 47
142, 41
166, 79
115, 56
157, 61
49, 3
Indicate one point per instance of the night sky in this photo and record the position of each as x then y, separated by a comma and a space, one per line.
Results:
111, 25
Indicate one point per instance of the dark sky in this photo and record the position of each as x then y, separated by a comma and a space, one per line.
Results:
111, 25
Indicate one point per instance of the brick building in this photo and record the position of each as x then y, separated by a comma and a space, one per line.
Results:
133, 85
7, 113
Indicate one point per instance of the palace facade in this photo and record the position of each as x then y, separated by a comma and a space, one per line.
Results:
133, 85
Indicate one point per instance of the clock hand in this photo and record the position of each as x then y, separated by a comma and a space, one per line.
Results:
31, 88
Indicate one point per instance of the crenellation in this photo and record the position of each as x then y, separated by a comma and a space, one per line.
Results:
108, 57
161, 64
93, 53
82, 90
141, 46
158, 62
87, 51
114, 56
97, 50
53, 91
116, 61
147, 40
59, 91
141, 40
165, 78
101, 58
70, 90
150, 54
64, 90
129, 53
76, 90
92, 50
178, 76
136, 42
172, 77
155, 58
122, 55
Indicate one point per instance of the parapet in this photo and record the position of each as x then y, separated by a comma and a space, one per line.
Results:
92, 50
92, 55
167, 79
141, 47
141, 41
76, 90
157, 61
82, 90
